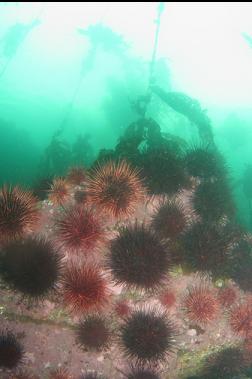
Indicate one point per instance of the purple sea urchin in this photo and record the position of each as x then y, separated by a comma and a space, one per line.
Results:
213, 200
163, 170
11, 351
170, 219
207, 247
147, 336
204, 162
138, 258
31, 266
225, 364
142, 373
93, 333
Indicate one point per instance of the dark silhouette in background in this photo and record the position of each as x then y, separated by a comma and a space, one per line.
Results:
12, 40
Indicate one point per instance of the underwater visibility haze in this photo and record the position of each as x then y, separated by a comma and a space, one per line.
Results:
125, 190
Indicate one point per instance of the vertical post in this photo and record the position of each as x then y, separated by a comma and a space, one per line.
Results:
154, 53
147, 98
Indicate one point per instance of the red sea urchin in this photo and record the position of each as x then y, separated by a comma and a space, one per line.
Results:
84, 288
11, 351
18, 213
147, 336
227, 296
122, 308
79, 230
116, 188
201, 304
60, 373
240, 319
167, 298
59, 191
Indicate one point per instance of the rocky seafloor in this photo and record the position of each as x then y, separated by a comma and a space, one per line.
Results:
46, 328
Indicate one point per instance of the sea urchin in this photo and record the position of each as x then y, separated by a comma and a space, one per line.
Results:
147, 336
93, 333
31, 266
59, 191
84, 288
116, 188
170, 219
241, 319
79, 230
138, 258
60, 373
142, 373
227, 296
201, 304
225, 364
18, 213
11, 351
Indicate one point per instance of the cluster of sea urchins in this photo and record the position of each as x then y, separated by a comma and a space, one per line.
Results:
140, 256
